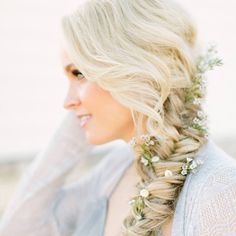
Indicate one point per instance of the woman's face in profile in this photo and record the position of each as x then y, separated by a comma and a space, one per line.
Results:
107, 119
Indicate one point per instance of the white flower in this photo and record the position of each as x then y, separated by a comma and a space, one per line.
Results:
193, 165
146, 143
197, 101
155, 158
151, 142
196, 121
203, 66
168, 173
200, 114
144, 161
189, 159
139, 217
133, 142
184, 172
142, 136
144, 193
202, 87
131, 202
145, 137
184, 166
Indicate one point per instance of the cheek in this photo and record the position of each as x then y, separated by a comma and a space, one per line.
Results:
93, 98
110, 118
104, 106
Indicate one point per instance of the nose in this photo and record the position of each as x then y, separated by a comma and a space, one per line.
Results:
71, 101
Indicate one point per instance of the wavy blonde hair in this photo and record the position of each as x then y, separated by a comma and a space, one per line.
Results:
144, 54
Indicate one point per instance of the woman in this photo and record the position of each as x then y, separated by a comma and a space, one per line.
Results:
134, 74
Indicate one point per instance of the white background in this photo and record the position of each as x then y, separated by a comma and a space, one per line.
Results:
32, 85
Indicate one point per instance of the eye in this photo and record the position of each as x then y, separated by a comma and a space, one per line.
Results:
77, 73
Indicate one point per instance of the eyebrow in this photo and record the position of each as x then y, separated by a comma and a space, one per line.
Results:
68, 67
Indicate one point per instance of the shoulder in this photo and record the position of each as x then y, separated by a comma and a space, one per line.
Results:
211, 194
217, 171
215, 207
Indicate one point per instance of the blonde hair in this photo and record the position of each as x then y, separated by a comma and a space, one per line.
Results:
144, 54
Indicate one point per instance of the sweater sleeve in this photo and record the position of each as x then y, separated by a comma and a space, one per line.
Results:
217, 214
29, 209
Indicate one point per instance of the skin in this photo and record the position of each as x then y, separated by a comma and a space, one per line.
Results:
110, 119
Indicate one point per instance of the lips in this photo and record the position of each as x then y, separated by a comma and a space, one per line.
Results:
84, 119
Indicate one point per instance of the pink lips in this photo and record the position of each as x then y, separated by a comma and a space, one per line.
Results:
84, 120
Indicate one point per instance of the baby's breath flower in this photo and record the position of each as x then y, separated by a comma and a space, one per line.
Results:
147, 143
144, 193
184, 166
206, 62
133, 142
145, 138
131, 202
193, 165
197, 101
189, 159
151, 142
155, 158
190, 166
144, 161
139, 217
202, 87
196, 121
168, 173
200, 114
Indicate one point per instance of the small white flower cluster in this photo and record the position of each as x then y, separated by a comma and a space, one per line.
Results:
139, 217
190, 165
147, 139
200, 122
133, 142
144, 193
145, 161
131, 202
197, 101
209, 60
137, 204
196, 93
168, 173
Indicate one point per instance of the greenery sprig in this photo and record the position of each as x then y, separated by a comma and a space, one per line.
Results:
196, 93
205, 63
